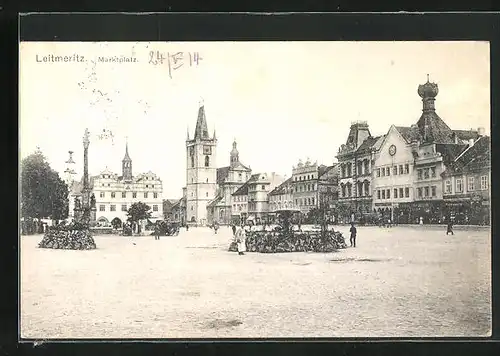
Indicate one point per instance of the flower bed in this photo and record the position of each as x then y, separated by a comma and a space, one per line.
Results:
275, 242
69, 237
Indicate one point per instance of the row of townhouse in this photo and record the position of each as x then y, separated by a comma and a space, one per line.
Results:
423, 173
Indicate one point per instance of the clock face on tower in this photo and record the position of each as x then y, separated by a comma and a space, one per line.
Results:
392, 150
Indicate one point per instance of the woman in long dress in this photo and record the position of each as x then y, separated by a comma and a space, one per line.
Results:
240, 240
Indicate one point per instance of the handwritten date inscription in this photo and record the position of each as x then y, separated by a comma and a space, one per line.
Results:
175, 60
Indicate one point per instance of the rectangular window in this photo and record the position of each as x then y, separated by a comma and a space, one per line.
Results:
395, 170
433, 172
124, 207
433, 191
459, 185
426, 173
312, 201
388, 194
400, 169
145, 194
112, 194
155, 195
378, 172
263, 187
102, 208
419, 174
407, 192
395, 193
383, 194
407, 168
426, 190
124, 194
383, 172
484, 182
102, 194
401, 192
447, 186
387, 171
419, 192
470, 184
112, 208
155, 207
378, 194
134, 195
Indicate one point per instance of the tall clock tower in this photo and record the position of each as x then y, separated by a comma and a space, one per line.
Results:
201, 171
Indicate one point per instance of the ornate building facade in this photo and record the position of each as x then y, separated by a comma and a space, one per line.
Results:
115, 194
229, 179
356, 160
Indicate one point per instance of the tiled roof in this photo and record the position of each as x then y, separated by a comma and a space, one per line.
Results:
467, 134
243, 190
474, 158
368, 144
222, 174
322, 170
254, 178
214, 201
449, 151
434, 129
281, 189
405, 132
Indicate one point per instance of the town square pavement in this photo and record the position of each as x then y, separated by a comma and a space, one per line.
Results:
397, 282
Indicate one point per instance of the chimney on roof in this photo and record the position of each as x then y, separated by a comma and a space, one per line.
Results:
480, 131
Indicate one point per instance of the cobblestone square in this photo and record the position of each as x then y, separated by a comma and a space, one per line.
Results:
398, 282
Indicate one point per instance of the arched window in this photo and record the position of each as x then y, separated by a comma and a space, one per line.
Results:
367, 188
207, 161
192, 161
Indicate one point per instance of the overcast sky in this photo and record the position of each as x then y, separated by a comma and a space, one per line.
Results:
281, 101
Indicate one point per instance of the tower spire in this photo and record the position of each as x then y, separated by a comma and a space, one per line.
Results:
126, 164
201, 130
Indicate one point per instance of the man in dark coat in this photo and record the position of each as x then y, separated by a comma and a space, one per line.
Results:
234, 229
353, 234
449, 227
157, 231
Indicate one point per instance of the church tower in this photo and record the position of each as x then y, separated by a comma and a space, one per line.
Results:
201, 171
127, 165
234, 156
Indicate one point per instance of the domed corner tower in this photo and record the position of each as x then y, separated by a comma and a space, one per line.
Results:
201, 171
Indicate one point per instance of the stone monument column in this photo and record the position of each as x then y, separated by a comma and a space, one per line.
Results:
86, 185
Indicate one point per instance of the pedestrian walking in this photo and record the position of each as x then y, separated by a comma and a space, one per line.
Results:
233, 227
216, 227
240, 240
353, 234
187, 227
157, 231
449, 227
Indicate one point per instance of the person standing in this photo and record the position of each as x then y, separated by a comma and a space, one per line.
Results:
233, 227
157, 231
187, 227
449, 227
353, 234
216, 227
240, 240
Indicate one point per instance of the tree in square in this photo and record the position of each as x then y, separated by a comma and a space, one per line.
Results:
137, 212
